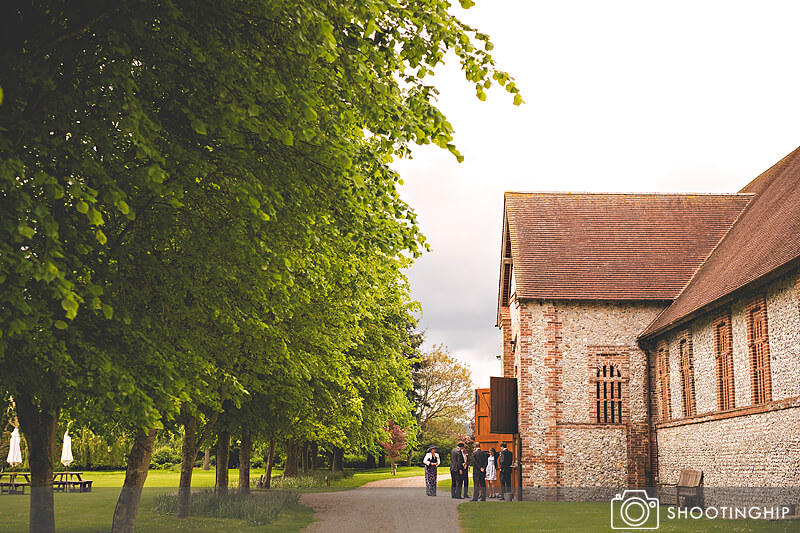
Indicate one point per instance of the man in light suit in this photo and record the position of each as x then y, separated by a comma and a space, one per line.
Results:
479, 462
456, 471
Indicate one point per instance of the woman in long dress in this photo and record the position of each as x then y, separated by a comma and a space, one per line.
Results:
491, 473
431, 462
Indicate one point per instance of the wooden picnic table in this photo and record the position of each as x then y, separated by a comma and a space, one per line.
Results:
71, 481
12, 486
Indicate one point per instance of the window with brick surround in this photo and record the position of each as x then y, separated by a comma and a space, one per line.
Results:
723, 353
662, 375
609, 394
758, 348
687, 375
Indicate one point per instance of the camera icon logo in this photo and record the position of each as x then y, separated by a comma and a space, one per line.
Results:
634, 509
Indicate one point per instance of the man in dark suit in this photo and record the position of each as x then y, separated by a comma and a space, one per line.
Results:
465, 475
506, 459
456, 471
479, 462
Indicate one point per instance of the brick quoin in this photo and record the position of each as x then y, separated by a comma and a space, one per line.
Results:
554, 450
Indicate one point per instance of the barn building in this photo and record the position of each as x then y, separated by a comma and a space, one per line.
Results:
651, 333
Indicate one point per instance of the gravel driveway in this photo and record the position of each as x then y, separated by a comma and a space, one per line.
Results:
387, 505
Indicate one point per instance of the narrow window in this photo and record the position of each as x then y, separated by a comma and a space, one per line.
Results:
687, 376
723, 352
608, 394
662, 372
506, 284
758, 346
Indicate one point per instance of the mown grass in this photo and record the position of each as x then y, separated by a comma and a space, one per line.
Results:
94, 511
591, 517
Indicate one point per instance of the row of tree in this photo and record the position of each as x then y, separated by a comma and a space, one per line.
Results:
198, 226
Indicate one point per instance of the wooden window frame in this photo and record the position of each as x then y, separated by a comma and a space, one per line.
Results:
662, 376
686, 360
723, 354
758, 351
606, 391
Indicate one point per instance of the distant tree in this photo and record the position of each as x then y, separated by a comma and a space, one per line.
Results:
444, 389
395, 445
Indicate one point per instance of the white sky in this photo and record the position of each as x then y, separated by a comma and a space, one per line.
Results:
697, 96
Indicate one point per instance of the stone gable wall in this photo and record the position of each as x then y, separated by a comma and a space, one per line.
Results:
559, 342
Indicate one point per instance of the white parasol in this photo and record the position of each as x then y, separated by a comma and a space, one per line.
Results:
66, 450
14, 453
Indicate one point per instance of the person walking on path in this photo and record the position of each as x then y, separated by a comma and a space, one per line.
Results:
504, 468
479, 462
431, 462
456, 471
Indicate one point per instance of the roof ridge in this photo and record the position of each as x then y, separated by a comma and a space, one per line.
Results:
618, 193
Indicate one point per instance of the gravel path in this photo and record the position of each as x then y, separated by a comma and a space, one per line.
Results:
390, 505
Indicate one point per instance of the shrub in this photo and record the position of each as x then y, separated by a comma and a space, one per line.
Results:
312, 479
165, 457
258, 508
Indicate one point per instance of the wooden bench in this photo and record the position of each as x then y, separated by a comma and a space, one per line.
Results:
688, 491
12, 487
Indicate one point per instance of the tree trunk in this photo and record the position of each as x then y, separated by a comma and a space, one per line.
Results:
314, 455
39, 425
330, 460
135, 475
290, 468
304, 455
371, 461
244, 462
270, 460
188, 453
189, 450
223, 456
207, 459
381, 460
338, 457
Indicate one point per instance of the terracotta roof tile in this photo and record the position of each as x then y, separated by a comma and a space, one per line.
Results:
613, 246
765, 238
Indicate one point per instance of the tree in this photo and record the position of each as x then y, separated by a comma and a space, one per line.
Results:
170, 172
445, 394
395, 444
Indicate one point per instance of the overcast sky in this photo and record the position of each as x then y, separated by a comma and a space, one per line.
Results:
642, 96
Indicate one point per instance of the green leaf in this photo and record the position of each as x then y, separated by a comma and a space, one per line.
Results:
70, 306
466, 4
108, 311
199, 126
25, 230
123, 207
95, 217
60, 324
101, 237
518, 99
82, 207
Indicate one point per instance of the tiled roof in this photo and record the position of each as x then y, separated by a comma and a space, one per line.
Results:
765, 238
613, 246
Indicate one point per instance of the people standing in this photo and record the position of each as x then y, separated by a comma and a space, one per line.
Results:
491, 473
457, 471
504, 467
465, 475
479, 462
431, 462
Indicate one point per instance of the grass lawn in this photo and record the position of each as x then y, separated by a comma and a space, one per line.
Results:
593, 517
93, 511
